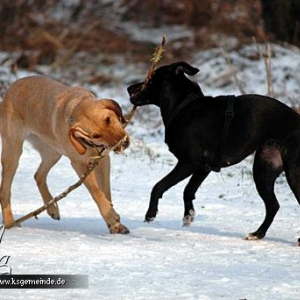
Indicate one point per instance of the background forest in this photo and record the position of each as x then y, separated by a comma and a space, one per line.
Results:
50, 32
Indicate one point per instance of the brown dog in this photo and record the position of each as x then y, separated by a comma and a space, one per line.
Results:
60, 120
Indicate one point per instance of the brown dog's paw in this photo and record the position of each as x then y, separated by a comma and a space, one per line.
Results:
118, 228
8, 221
53, 211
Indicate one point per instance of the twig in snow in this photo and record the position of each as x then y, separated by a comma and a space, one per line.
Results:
267, 61
233, 71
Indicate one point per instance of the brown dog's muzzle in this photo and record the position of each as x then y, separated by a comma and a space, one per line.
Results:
122, 144
81, 140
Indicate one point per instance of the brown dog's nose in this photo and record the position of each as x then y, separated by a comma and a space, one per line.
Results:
125, 142
122, 144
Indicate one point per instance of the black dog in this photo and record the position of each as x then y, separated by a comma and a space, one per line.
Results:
210, 133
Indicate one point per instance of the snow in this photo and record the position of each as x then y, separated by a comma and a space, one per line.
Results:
163, 260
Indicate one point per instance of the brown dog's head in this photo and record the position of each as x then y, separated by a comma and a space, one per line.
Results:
98, 124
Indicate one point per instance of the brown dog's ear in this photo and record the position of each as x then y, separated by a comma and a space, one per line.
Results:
77, 145
183, 67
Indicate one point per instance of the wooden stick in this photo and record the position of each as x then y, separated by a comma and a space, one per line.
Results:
94, 161
159, 50
157, 56
91, 166
130, 115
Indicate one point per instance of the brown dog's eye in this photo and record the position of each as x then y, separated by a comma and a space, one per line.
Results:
96, 136
107, 120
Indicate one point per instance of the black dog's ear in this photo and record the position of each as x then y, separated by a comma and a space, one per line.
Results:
183, 67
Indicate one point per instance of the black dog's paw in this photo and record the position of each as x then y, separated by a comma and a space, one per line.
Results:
189, 218
254, 236
149, 220
150, 217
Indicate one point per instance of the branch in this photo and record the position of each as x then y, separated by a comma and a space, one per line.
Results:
157, 56
159, 50
233, 72
35, 213
94, 161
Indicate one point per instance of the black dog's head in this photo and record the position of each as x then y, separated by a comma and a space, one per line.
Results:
166, 79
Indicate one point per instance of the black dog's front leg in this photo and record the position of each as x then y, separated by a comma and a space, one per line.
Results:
189, 195
179, 173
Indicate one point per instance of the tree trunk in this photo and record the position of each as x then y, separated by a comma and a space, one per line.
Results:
282, 19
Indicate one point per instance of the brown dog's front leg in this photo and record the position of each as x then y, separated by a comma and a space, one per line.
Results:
105, 206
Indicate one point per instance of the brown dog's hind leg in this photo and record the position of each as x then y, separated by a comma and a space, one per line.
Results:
49, 158
105, 206
267, 167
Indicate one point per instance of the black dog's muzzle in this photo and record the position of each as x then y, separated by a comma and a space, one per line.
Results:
134, 92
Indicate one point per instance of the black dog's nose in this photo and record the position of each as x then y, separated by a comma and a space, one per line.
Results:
130, 90
134, 89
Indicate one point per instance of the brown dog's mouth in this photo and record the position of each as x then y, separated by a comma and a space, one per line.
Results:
122, 144
85, 139
88, 142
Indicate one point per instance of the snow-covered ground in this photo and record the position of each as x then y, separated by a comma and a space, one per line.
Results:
163, 260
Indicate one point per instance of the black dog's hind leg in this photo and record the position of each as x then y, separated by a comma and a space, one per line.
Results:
179, 173
293, 176
292, 169
189, 195
267, 167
